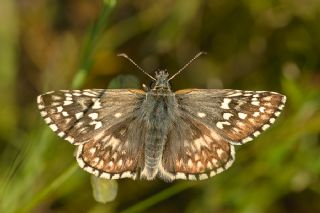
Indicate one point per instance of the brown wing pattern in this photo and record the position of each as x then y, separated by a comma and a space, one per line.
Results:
195, 151
103, 124
239, 116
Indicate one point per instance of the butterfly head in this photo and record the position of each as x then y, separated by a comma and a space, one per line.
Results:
161, 83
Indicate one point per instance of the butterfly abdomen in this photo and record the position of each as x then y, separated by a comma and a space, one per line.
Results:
159, 120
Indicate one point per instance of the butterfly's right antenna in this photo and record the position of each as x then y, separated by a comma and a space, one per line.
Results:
127, 57
187, 64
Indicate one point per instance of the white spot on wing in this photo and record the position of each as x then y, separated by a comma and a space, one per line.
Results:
56, 97
79, 115
93, 115
89, 94
126, 174
256, 114
92, 150
201, 114
247, 140
53, 127
219, 170
98, 125
181, 175
47, 120
227, 115
221, 123
192, 177
262, 109
225, 103
272, 120
203, 176
67, 102
105, 175
235, 94
212, 173
96, 105
61, 134
256, 103
284, 99
43, 113
115, 176
70, 139
76, 94
39, 99
118, 115
256, 133
64, 113
277, 113
242, 115
266, 126
59, 109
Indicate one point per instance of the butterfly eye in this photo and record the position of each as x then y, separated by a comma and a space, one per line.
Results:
152, 84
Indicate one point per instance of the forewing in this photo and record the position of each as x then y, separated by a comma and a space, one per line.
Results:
194, 151
78, 115
238, 116
103, 123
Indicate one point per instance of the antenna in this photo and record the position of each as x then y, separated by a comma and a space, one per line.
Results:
127, 57
187, 64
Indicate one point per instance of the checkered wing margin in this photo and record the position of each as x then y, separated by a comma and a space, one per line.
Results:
210, 123
100, 122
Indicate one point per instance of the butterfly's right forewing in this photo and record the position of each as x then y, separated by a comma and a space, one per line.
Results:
103, 123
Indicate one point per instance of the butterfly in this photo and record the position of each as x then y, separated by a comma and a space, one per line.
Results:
143, 134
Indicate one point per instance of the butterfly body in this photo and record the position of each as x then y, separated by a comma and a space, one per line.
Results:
129, 133
157, 111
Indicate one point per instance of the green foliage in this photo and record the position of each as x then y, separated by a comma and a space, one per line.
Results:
251, 45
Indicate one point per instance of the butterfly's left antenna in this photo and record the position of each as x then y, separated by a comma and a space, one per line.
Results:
187, 64
127, 57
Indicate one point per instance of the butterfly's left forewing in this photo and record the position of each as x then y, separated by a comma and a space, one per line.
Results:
239, 116
207, 125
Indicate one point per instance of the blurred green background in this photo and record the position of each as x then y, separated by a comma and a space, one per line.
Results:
251, 45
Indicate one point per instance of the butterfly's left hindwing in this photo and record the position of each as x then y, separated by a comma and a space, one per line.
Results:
194, 151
